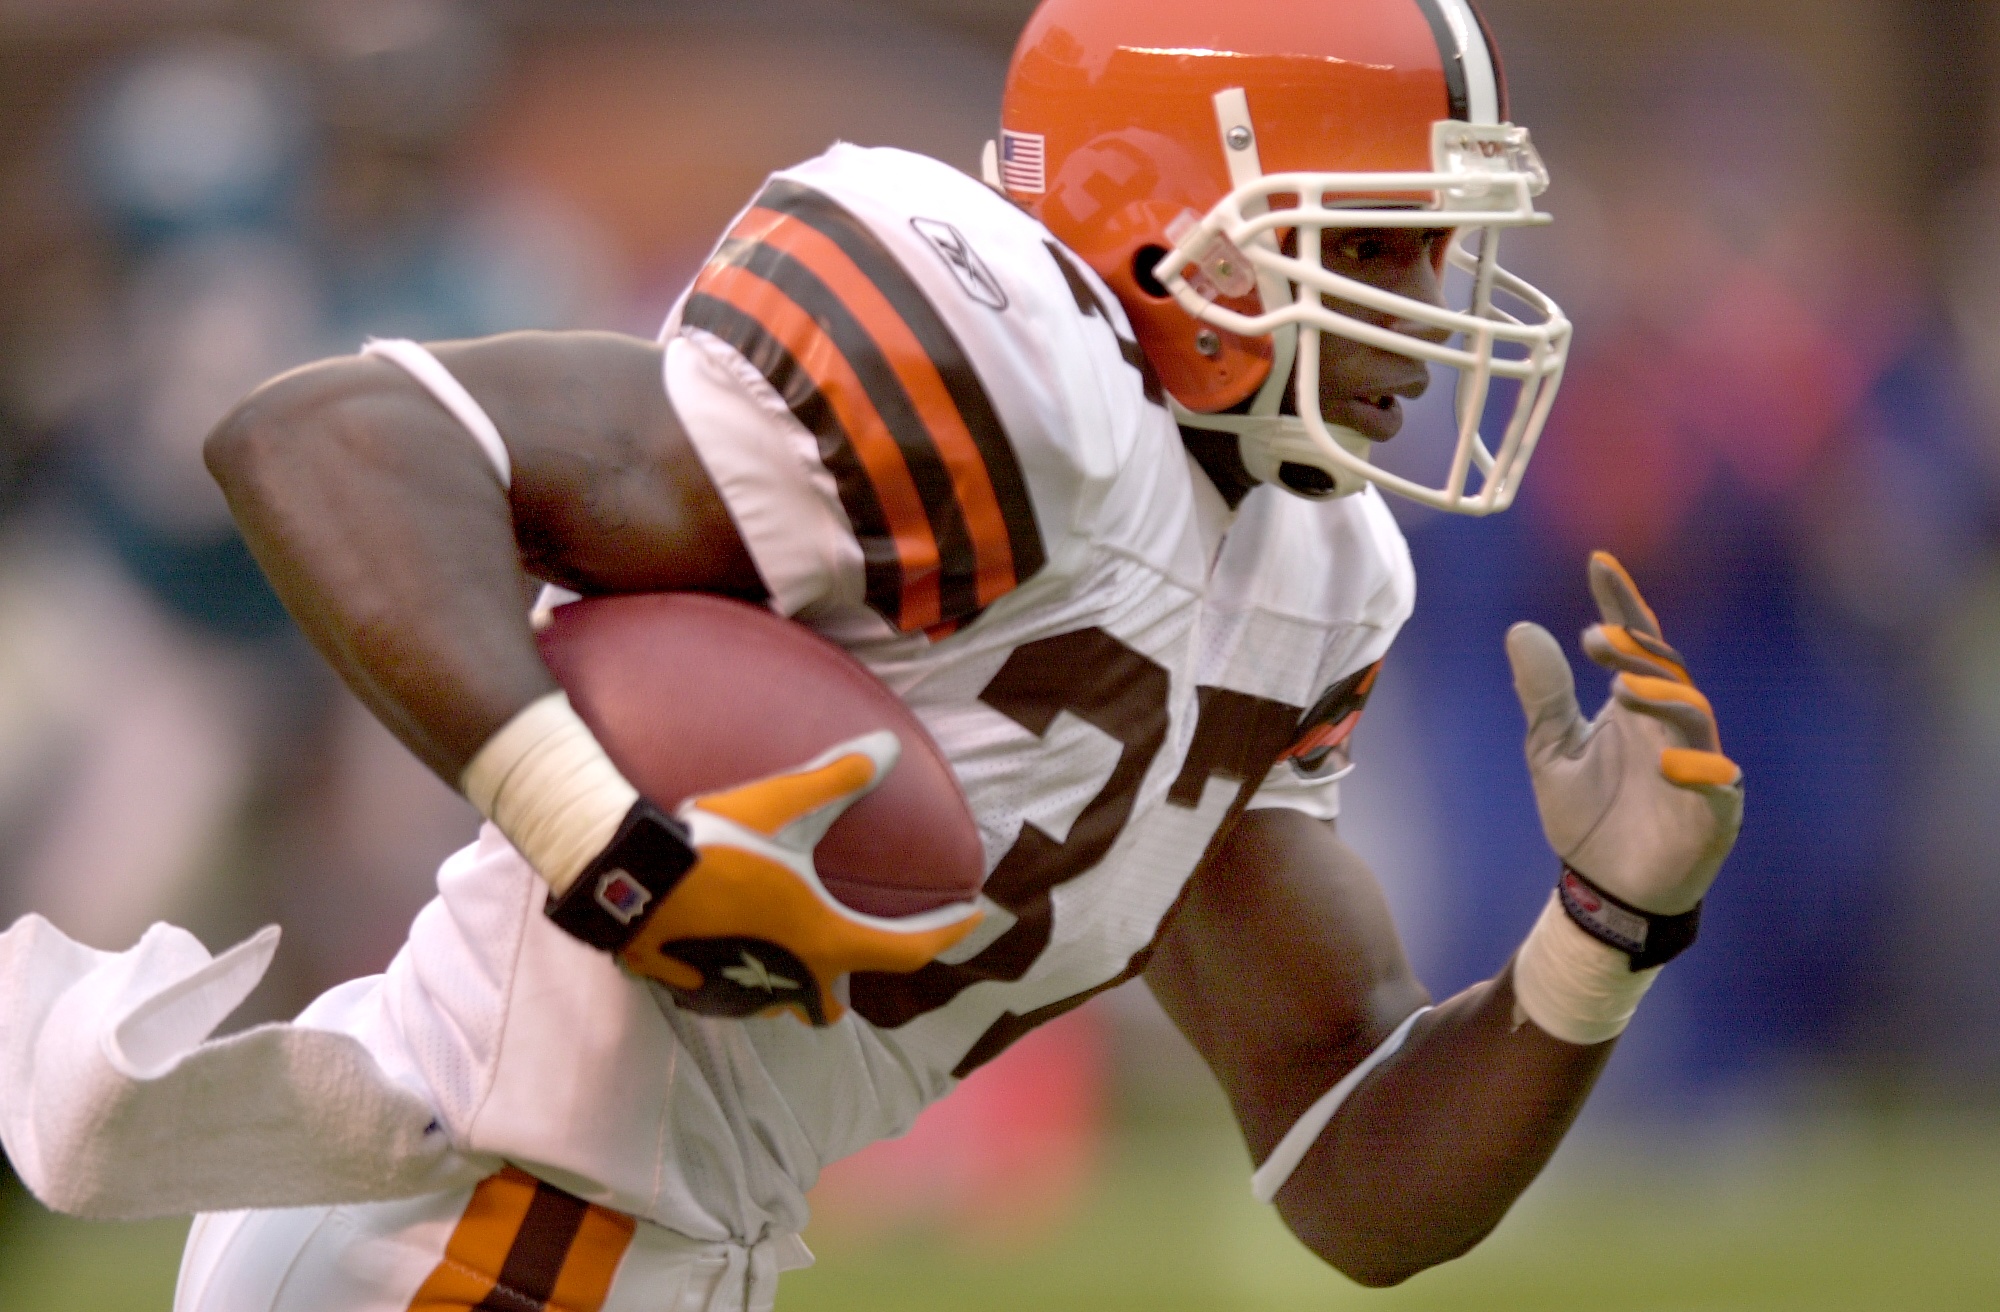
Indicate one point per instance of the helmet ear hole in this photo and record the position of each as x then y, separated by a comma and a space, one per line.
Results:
1143, 264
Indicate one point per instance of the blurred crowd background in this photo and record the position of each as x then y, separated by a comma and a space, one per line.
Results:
1776, 233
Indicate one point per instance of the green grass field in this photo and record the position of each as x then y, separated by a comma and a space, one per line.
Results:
1838, 1214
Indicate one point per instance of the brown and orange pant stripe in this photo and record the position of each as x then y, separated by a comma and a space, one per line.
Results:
525, 1246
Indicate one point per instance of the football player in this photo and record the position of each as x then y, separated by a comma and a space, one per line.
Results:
1077, 459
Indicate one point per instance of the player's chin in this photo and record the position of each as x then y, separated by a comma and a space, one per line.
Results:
1376, 418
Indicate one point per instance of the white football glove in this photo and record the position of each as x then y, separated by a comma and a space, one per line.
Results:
1640, 800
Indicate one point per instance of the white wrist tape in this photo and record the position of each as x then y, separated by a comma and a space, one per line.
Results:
545, 782
1298, 1141
417, 361
1575, 988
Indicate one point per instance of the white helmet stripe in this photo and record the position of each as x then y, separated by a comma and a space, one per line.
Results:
1482, 78
1471, 76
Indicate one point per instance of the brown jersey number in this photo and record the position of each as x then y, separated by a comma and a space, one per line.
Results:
1103, 682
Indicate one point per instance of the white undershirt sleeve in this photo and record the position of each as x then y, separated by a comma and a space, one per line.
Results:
1284, 788
1298, 1141
417, 361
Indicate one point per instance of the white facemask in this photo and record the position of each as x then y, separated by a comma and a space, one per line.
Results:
1484, 179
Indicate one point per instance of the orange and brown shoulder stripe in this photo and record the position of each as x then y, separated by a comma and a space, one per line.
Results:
1324, 730
523, 1245
824, 310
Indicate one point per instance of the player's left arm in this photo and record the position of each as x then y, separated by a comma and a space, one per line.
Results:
1283, 967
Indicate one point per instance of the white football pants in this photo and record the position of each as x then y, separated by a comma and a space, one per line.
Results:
510, 1243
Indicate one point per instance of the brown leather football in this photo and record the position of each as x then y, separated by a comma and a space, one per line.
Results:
690, 694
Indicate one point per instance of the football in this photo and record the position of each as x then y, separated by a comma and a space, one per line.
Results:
691, 694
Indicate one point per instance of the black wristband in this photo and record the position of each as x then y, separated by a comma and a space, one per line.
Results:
1648, 939
611, 899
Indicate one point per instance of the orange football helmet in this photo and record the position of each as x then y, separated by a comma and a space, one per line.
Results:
1175, 144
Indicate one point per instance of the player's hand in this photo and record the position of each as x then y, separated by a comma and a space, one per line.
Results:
750, 928
1639, 800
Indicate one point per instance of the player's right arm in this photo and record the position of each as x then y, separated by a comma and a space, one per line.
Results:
389, 536
404, 550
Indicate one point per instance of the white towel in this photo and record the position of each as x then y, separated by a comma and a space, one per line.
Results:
113, 1105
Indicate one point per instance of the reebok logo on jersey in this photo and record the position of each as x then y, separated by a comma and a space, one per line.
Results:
965, 265
621, 895
753, 974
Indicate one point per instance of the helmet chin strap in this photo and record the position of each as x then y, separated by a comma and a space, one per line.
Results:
1276, 448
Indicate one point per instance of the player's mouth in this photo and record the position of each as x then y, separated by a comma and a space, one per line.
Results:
1375, 410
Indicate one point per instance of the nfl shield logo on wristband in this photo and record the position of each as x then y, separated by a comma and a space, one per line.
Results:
1615, 925
624, 897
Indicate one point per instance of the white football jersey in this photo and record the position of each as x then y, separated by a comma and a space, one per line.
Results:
945, 453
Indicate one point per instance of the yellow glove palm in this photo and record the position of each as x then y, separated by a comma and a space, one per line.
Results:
750, 928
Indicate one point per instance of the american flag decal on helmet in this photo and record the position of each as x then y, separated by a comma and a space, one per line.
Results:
1024, 162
